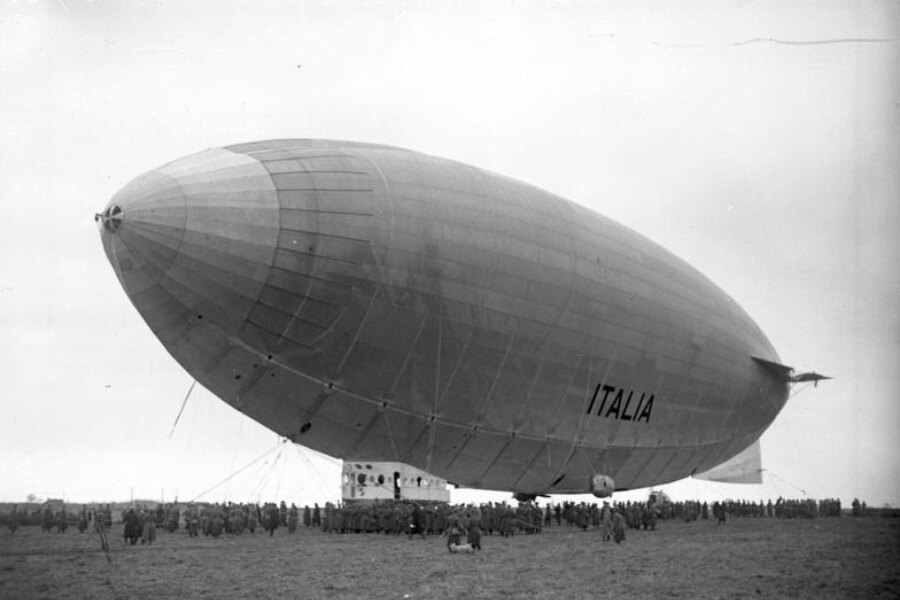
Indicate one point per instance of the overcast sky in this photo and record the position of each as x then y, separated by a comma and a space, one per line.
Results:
773, 166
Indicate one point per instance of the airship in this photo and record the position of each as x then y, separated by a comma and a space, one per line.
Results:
379, 304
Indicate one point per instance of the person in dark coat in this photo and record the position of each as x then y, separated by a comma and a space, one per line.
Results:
618, 527
293, 518
132, 526
417, 522
474, 535
454, 532
271, 519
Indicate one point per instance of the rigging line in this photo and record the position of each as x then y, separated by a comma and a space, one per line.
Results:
437, 398
574, 446
804, 492
459, 360
798, 390
586, 463
183, 404
254, 491
709, 486
333, 460
264, 481
295, 314
517, 421
496, 378
280, 477
780, 489
387, 425
248, 487
437, 362
798, 451
241, 470
317, 478
237, 443
579, 432
409, 353
236, 489
312, 468
264, 471
187, 449
432, 427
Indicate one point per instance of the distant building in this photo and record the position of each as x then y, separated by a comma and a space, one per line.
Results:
390, 481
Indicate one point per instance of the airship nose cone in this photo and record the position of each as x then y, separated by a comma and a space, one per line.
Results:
193, 240
142, 228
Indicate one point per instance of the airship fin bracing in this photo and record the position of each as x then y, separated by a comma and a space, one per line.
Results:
378, 304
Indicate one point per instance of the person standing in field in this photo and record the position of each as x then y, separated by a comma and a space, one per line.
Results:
148, 529
619, 527
606, 518
474, 535
131, 531
417, 522
454, 532
719, 512
293, 518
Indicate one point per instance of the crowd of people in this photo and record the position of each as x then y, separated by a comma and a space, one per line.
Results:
782, 508
456, 522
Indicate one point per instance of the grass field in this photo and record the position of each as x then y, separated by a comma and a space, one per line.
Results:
747, 558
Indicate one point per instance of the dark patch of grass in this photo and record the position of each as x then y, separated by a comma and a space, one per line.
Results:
825, 559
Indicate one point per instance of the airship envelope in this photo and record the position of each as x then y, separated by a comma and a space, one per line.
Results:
378, 304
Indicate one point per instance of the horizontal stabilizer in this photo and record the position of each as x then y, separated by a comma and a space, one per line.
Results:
811, 376
746, 467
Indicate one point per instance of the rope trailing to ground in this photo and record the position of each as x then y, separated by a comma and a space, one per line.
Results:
183, 404
242, 469
316, 477
787, 483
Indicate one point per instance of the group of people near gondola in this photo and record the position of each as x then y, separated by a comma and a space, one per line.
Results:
462, 525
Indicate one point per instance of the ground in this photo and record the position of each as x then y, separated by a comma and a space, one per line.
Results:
747, 558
